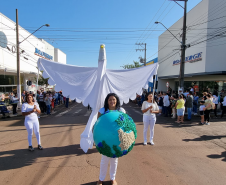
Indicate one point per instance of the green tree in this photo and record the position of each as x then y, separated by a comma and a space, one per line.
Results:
130, 66
41, 80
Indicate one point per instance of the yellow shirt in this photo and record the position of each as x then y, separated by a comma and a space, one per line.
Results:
180, 104
207, 103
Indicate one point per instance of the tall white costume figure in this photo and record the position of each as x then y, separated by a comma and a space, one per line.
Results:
90, 85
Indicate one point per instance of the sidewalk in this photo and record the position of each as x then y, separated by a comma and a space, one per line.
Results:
19, 113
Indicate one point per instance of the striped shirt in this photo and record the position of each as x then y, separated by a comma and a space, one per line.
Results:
41, 97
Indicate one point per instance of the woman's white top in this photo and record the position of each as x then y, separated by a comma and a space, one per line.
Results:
146, 104
224, 102
215, 99
201, 108
102, 110
27, 108
166, 101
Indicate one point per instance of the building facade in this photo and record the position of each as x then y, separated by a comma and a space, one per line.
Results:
205, 64
31, 50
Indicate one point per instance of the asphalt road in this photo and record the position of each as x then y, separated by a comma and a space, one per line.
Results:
183, 154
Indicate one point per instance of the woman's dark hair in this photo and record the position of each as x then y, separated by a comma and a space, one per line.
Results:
202, 102
209, 96
146, 98
215, 93
106, 101
27, 95
181, 96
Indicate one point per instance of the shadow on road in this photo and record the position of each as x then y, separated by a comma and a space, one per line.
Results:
19, 158
95, 182
216, 156
204, 138
137, 144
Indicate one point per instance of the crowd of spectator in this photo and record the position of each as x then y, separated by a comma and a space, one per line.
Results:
174, 105
47, 100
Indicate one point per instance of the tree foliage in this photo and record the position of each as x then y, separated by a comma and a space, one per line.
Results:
41, 80
130, 66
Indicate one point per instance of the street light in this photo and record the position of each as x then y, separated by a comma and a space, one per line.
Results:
47, 25
18, 53
168, 30
183, 45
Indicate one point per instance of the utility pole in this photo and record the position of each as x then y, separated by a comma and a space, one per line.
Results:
140, 44
18, 59
183, 48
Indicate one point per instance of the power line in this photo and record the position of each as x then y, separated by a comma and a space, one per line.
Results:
160, 21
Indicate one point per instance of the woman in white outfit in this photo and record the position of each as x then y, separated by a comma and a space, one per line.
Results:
111, 102
30, 109
149, 110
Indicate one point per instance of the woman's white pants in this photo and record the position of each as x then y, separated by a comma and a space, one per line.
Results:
104, 167
149, 120
31, 124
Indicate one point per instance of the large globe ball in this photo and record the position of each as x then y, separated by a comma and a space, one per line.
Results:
114, 134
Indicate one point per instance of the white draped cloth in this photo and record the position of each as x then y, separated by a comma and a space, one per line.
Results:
91, 85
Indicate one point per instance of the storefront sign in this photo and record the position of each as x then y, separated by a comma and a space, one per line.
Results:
43, 54
193, 58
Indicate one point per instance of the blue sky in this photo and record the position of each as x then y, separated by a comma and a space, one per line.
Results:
78, 27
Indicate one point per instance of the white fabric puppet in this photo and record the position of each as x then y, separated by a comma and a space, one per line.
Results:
91, 85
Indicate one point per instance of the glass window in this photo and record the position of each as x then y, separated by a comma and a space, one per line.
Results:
203, 86
7, 80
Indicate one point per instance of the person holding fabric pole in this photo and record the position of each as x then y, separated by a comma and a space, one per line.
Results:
30, 109
149, 109
111, 102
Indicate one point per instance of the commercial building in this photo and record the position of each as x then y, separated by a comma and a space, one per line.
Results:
30, 51
205, 65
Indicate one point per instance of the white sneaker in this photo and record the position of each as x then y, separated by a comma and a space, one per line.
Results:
207, 123
152, 143
145, 143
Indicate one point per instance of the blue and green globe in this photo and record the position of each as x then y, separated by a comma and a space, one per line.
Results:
114, 134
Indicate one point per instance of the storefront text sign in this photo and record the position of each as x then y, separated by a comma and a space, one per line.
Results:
43, 54
193, 58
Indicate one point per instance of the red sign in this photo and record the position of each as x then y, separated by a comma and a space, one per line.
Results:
167, 84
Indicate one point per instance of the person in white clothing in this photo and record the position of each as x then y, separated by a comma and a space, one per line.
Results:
202, 108
215, 101
111, 102
149, 109
30, 109
166, 104
192, 89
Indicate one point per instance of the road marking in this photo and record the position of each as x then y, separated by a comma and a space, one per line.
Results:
79, 110
139, 112
87, 113
62, 113
43, 116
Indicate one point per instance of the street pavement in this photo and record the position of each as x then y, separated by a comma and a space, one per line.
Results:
186, 153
